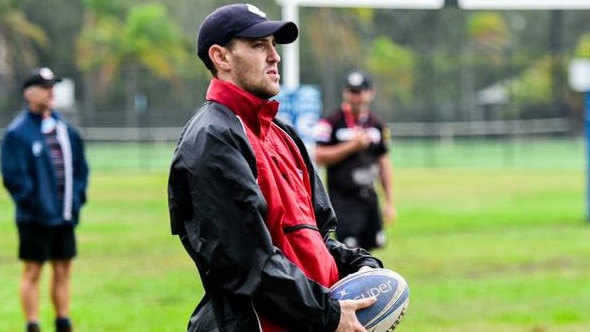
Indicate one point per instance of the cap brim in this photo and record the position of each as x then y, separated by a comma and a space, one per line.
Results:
358, 87
51, 82
284, 32
46, 83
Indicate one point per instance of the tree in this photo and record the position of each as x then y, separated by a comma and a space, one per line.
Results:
583, 46
334, 43
18, 36
489, 34
393, 68
146, 38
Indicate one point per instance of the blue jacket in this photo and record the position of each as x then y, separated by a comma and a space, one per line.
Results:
29, 175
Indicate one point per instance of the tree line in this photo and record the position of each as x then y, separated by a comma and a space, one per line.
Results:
429, 65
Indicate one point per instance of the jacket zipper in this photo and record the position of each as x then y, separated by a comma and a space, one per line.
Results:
298, 227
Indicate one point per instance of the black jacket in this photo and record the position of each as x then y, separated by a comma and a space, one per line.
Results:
217, 210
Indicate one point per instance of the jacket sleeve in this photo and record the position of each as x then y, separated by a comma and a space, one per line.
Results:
227, 234
16, 169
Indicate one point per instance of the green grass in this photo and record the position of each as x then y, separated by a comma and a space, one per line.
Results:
486, 245
492, 251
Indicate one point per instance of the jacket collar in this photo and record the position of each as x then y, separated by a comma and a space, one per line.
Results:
256, 112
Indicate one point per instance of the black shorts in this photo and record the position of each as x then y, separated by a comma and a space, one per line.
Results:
359, 223
42, 243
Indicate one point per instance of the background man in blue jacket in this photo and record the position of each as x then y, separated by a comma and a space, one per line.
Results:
45, 171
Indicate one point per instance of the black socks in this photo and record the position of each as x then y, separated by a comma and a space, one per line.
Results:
33, 327
63, 324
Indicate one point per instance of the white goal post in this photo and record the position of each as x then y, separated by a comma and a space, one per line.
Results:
290, 12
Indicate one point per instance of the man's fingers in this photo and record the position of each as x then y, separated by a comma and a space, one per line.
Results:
367, 302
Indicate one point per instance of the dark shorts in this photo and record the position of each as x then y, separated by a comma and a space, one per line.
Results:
359, 224
42, 243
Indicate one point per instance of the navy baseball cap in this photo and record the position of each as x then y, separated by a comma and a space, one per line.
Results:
41, 76
240, 20
358, 80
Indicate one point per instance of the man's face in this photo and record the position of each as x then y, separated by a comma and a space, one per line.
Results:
358, 100
254, 66
39, 98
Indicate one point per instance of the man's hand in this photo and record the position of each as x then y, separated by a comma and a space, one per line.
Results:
364, 268
389, 214
360, 140
348, 320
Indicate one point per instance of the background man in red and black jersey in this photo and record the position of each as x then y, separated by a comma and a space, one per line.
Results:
353, 144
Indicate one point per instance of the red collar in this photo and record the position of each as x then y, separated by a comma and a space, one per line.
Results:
352, 120
257, 113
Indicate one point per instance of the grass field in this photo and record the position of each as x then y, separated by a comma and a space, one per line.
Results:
490, 238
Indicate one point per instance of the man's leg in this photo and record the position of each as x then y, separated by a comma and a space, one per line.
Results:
29, 290
60, 287
63, 253
374, 235
60, 293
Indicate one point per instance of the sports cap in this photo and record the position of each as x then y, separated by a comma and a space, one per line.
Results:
41, 76
358, 80
240, 20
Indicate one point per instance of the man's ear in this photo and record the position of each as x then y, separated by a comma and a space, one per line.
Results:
373, 94
28, 92
218, 56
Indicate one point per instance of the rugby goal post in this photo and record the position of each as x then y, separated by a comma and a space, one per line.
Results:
290, 12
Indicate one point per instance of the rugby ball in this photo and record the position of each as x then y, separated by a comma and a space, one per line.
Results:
390, 289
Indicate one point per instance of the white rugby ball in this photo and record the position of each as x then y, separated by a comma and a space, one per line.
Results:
390, 289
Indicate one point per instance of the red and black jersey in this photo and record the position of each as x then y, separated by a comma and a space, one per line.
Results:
355, 175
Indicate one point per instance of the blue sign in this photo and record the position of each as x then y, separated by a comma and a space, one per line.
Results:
301, 107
